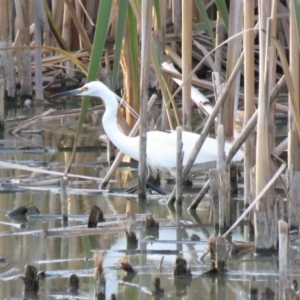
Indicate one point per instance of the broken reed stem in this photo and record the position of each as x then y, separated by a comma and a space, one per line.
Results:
30, 121
8, 165
214, 193
38, 52
219, 104
293, 172
63, 199
110, 151
2, 104
259, 196
249, 109
187, 10
252, 122
221, 167
208, 123
283, 260
179, 166
288, 196
239, 141
146, 25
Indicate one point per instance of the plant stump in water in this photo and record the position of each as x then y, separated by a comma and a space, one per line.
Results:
214, 195
180, 268
283, 232
151, 224
217, 250
131, 239
127, 267
290, 294
95, 217
152, 227
195, 237
73, 284
99, 277
295, 286
182, 277
158, 291
240, 248
212, 244
31, 282
130, 272
267, 294
253, 288
221, 254
113, 297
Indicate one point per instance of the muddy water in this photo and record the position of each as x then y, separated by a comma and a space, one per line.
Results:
62, 256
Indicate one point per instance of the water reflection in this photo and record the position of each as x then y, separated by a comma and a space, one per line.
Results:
62, 256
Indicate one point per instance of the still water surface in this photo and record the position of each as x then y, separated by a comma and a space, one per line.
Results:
64, 255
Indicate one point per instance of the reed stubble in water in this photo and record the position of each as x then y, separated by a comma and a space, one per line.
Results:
31, 281
99, 277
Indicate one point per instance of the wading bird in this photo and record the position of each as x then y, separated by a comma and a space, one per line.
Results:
161, 145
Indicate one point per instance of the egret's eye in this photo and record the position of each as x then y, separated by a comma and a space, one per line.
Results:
84, 89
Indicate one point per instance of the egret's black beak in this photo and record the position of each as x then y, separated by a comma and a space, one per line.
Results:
71, 92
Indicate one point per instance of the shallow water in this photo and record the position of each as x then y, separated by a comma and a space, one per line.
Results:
62, 256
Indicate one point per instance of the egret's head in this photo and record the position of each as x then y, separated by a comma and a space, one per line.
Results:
93, 88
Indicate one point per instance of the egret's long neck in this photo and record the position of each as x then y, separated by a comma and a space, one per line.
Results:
109, 121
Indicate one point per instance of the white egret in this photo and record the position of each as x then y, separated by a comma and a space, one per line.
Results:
161, 146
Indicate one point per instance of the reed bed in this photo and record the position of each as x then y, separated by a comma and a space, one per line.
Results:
249, 46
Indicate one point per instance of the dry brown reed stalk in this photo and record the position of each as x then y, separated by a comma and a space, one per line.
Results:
23, 39
2, 103
214, 195
187, 9
249, 88
212, 248
233, 53
265, 227
283, 256
39, 13
146, 36
7, 60
30, 121
131, 88
79, 26
220, 34
223, 182
57, 16
38, 170
210, 120
293, 137
258, 197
